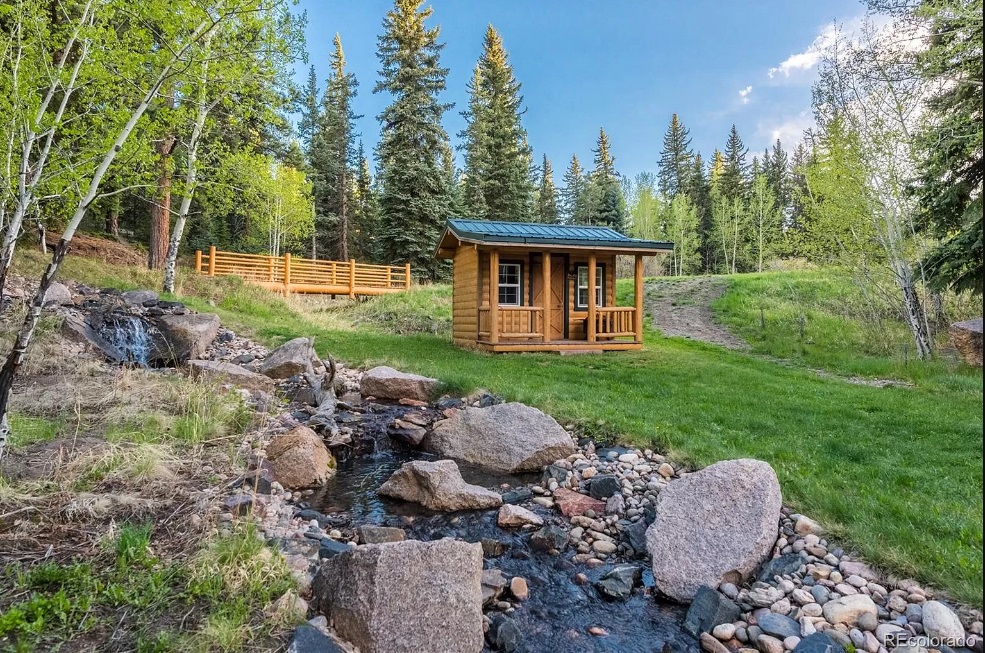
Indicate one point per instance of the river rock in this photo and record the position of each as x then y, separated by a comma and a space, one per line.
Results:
847, 609
230, 373
308, 639
511, 516
369, 534
967, 339
784, 565
713, 526
819, 643
709, 609
184, 337
387, 383
617, 583
574, 503
710, 644
779, 626
505, 437
504, 635
57, 294
300, 459
290, 359
405, 597
438, 485
939, 621
549, 537
139, 297
603, 487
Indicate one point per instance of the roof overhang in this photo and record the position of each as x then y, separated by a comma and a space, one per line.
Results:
451, 239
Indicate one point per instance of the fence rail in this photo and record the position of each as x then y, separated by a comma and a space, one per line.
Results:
615, 321
289, 274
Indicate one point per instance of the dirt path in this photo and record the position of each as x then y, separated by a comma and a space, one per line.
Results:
683, 308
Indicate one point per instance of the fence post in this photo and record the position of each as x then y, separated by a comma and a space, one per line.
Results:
287, 273
212, 261
389, 272
198, 261
407, 276
352, 278
270, 269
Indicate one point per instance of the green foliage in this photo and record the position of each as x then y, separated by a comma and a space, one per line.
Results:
675, 165
735, 170
546, 207
604, 202
27, 430
414, 197
497, 157
682, 229
951, 168
573, 194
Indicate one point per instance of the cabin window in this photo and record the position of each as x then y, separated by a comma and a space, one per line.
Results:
581, 292
510, 283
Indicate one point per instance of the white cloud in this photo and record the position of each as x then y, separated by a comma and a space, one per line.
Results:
744, 94
789, 130
810, 57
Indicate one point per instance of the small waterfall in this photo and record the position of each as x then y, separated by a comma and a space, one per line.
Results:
129, 335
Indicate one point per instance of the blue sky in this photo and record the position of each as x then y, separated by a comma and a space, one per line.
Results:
624, 65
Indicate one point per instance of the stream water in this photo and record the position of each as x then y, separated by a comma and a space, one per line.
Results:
559, 612
129, 336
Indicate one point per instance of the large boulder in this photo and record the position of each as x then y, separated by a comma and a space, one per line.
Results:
139, 297
230, 373
300, 459
967, 339
387, 383
184, 337
291, 358
57, 294
714, 526
940, 622
506, 437
438, 485
405, 597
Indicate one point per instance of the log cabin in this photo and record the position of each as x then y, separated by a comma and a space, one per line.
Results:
520, 286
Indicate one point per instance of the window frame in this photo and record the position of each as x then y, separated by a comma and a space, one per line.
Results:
599, 285
518, 285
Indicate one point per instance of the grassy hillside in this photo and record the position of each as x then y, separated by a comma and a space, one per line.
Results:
894, 471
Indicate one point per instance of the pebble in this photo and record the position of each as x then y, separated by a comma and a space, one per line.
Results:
598, 631
790, 643
518, 588
724, 632
768, 644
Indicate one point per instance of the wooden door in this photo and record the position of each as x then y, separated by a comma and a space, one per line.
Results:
559, 304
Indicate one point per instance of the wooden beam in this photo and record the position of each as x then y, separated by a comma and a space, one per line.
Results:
545, 278
352, 278
638, 297
494, 296
198, 261
591, 296
287, 273
212, 261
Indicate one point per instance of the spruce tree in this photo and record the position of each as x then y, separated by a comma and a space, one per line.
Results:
497, 155
332, 159
414, 201
735, 174
699, 192
546, 209
675, 159
364, 223
573, 193
776, 168
309, 111
608, 207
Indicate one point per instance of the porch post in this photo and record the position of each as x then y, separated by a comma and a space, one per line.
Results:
545, 277
494, 296
638, 299
591, 297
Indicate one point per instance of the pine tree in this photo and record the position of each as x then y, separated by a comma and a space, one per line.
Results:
607, 205
414, 201
546, 208
310, 112
332, 159
798, 188
699, 192
776, 167
452, 180
735, 174
675, 159
365, 214
573, 193
497, 155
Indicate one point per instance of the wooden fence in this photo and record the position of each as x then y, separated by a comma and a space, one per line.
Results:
289, 274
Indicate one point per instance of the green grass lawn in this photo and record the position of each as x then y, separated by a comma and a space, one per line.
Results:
894, 472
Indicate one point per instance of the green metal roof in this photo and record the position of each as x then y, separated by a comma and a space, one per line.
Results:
493, 231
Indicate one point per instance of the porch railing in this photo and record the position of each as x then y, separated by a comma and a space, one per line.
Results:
615, 321
513, 321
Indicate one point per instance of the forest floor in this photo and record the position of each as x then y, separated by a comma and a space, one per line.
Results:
682, 308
